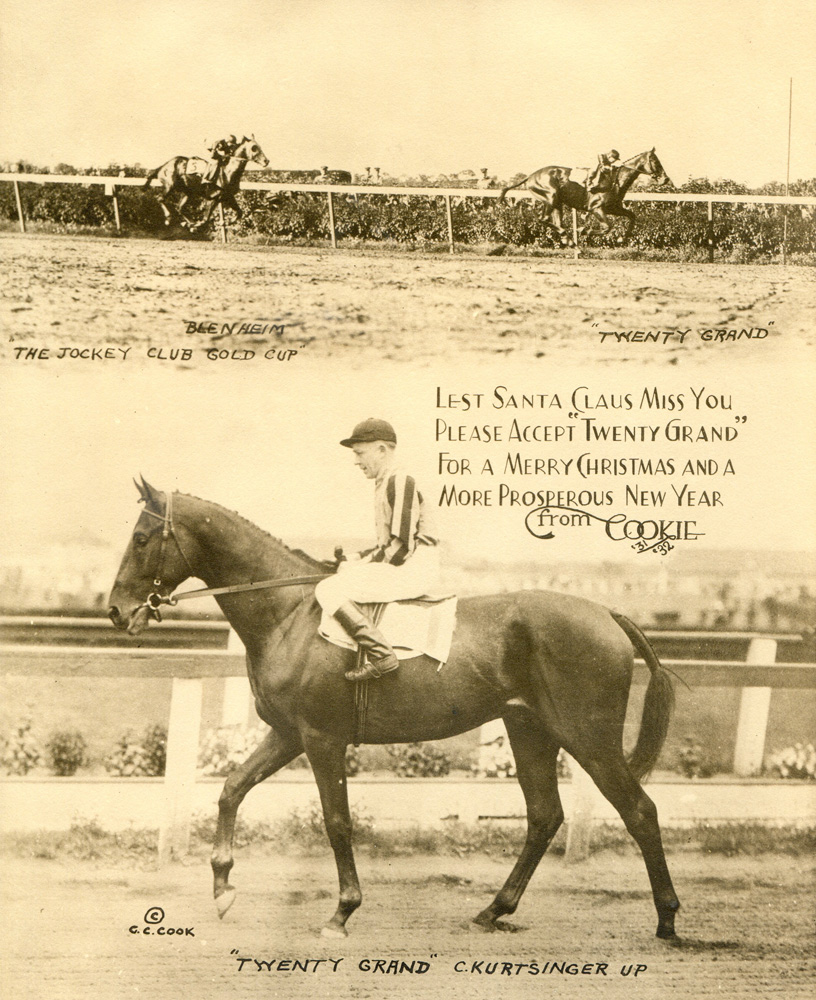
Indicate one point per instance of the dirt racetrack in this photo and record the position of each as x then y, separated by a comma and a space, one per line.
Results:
74, 930
416, 307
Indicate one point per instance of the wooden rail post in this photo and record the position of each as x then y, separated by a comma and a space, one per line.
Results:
180, 771
110, 191
576, 251
579, 821
222, 222
755, 703
237, 693
20, 215
449, 214
710, 232
332, 229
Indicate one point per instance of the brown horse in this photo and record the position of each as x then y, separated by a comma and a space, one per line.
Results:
555, 188
555, 668
184, 179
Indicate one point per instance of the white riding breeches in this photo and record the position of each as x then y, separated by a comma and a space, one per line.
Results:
379, 583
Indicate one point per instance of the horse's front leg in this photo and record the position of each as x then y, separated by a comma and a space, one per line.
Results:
275, 751
630, 223
230, 201
207, 214
327, 755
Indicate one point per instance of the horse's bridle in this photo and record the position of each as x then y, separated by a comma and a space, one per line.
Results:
155, 599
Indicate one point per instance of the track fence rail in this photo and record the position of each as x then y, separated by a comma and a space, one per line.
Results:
31, 654
446, 195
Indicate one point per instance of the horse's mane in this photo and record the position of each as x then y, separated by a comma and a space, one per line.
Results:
314, 563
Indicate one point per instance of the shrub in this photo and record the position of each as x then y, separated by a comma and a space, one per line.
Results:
20, 752
419, 760
353, 762
741, 233
227, 747
498, 761
798, 761
139, 758
693, 761
67, 752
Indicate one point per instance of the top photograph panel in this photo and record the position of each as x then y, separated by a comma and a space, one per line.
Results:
408, 183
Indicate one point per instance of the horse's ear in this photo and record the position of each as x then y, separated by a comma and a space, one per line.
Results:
142, 495
150, 493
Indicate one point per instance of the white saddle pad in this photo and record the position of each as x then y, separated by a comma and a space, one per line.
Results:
412, 628
197, 165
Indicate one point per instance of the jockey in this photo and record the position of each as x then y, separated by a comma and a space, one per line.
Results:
220, 151
606, 164
403, 564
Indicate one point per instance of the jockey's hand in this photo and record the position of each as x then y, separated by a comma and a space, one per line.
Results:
339, 554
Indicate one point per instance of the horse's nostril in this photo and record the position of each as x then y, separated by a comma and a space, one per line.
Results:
113, 613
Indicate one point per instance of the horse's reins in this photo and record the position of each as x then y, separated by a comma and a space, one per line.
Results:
155, 600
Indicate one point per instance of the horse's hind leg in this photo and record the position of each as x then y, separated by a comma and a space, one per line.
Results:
168, 215
275, 751
535, 753
552, 213
613, 777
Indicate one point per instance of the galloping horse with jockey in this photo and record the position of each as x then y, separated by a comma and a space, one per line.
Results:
188, 179
556, 188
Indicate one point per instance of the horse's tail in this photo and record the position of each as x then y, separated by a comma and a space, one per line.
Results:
657, 707
511, 188
152, 175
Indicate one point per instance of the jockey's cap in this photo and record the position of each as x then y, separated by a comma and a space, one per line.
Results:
370, 430
614, 154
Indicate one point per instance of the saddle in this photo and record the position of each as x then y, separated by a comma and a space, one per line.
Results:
421, 626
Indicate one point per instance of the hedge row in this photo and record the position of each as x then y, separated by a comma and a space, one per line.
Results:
742, 232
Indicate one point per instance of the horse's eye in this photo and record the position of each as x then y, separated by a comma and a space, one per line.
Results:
139, 539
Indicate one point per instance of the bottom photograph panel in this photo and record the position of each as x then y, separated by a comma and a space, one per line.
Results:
519, 663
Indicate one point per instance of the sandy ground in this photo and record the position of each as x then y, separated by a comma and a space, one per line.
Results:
746, 927
388, 305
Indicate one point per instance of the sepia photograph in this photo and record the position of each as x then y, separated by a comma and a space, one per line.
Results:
408, 566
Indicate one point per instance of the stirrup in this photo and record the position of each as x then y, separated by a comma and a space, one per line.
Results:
373, 671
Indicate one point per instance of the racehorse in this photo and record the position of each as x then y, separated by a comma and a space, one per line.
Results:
555, 668
554, 186
183, 177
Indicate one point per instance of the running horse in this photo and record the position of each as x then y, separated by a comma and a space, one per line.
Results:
555, 668
183, 179
555, 188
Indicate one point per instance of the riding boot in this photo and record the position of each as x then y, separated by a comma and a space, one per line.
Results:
380, 657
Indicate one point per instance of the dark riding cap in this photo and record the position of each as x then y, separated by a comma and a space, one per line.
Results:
370, 430
614, 154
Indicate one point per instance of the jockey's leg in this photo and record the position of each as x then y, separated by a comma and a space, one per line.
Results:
379, 656
335, 597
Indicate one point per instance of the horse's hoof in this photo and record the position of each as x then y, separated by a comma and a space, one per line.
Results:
334, 933
672, 940
483, 924
224, 901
